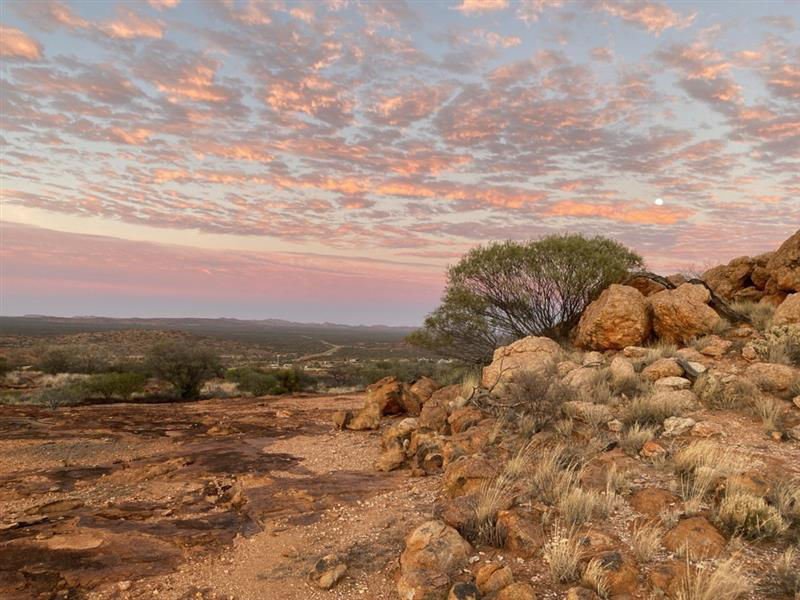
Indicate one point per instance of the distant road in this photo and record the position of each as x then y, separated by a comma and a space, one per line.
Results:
332, 350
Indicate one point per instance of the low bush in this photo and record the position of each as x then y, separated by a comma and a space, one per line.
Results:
63, 395
536, 397
741, 513
634, 437
263, 382
184, 367
760, 314
119, 385
67, 359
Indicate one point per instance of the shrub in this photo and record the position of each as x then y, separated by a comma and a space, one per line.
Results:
741, 513
185, 368
122, 385
508, 290
787, 573
260, 382
538, 397
736, 394
67, 359
63, 395
780, 344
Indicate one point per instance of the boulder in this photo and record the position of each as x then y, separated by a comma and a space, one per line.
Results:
592, 359
516, 591
618, 318
464, 591
400, 433
645, 285
423, 389
342, 418
683, 313
462, 419
621, 369
581, 593
727, 280
522, 530
653, 501
433, 553
528, 354
784, 265
622, 574
467, 474
707, 429
698, 536
390, 459
581, 379
492, 577
773, 378
663, 367
368, 417
714, 346
788, 312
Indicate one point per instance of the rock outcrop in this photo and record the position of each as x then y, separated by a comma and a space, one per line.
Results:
682, 314
528, 354
788, 312
433, 553
618, 318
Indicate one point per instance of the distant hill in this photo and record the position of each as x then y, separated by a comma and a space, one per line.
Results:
274, 336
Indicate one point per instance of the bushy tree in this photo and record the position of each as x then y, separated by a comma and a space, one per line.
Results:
184, 367
261, 382
508, 290
121, 385
70, 359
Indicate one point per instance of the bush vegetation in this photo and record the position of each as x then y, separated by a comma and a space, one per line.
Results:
119, 385
508, 290
184, 367
263, 382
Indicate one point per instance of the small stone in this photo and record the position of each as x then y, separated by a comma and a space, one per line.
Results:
464, 591
674, 426
652, 449
493, 577
327, 572
707, 429
674, 383
124, 586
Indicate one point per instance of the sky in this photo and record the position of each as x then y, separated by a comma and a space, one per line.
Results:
326, 161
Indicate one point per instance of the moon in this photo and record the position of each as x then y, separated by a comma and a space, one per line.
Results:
659, 202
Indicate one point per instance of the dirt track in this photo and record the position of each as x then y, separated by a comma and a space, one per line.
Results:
216, 499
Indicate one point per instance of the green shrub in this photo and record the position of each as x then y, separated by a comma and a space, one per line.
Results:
509, 290
110, 385
64, 395
67, 359
185, 368
260, 382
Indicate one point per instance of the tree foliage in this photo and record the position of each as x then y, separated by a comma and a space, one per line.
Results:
121, 385
184, 367
508, 290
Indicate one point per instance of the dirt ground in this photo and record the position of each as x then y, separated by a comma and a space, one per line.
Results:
225, 498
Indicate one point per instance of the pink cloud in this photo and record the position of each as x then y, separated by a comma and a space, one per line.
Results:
15, 44
128, 25
529, 11
163, 4
475, 7
652, 16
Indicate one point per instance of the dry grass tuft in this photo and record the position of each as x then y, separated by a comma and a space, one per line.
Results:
652, 409
577, 505
734, 395
785, 496
562, 553
646, 541
726, 582
787, 573
634, 437
700, 466
594, 577
741, 513
760, 314
553, 475
481, 528
770, 410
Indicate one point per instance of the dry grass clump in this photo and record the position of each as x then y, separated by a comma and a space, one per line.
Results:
594, 577
562, 553
700, 466
578, 505
646, 541
770, 410
630, 386
564, 427
742, 513
737, 394
785, 496
617, 481
760, 314
481, 527
519, 463
659, 349
652, 409
553, 475
787, 573
726, 582
634, 437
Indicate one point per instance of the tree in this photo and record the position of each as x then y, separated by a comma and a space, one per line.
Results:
508, 290
186, 368
108, 385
